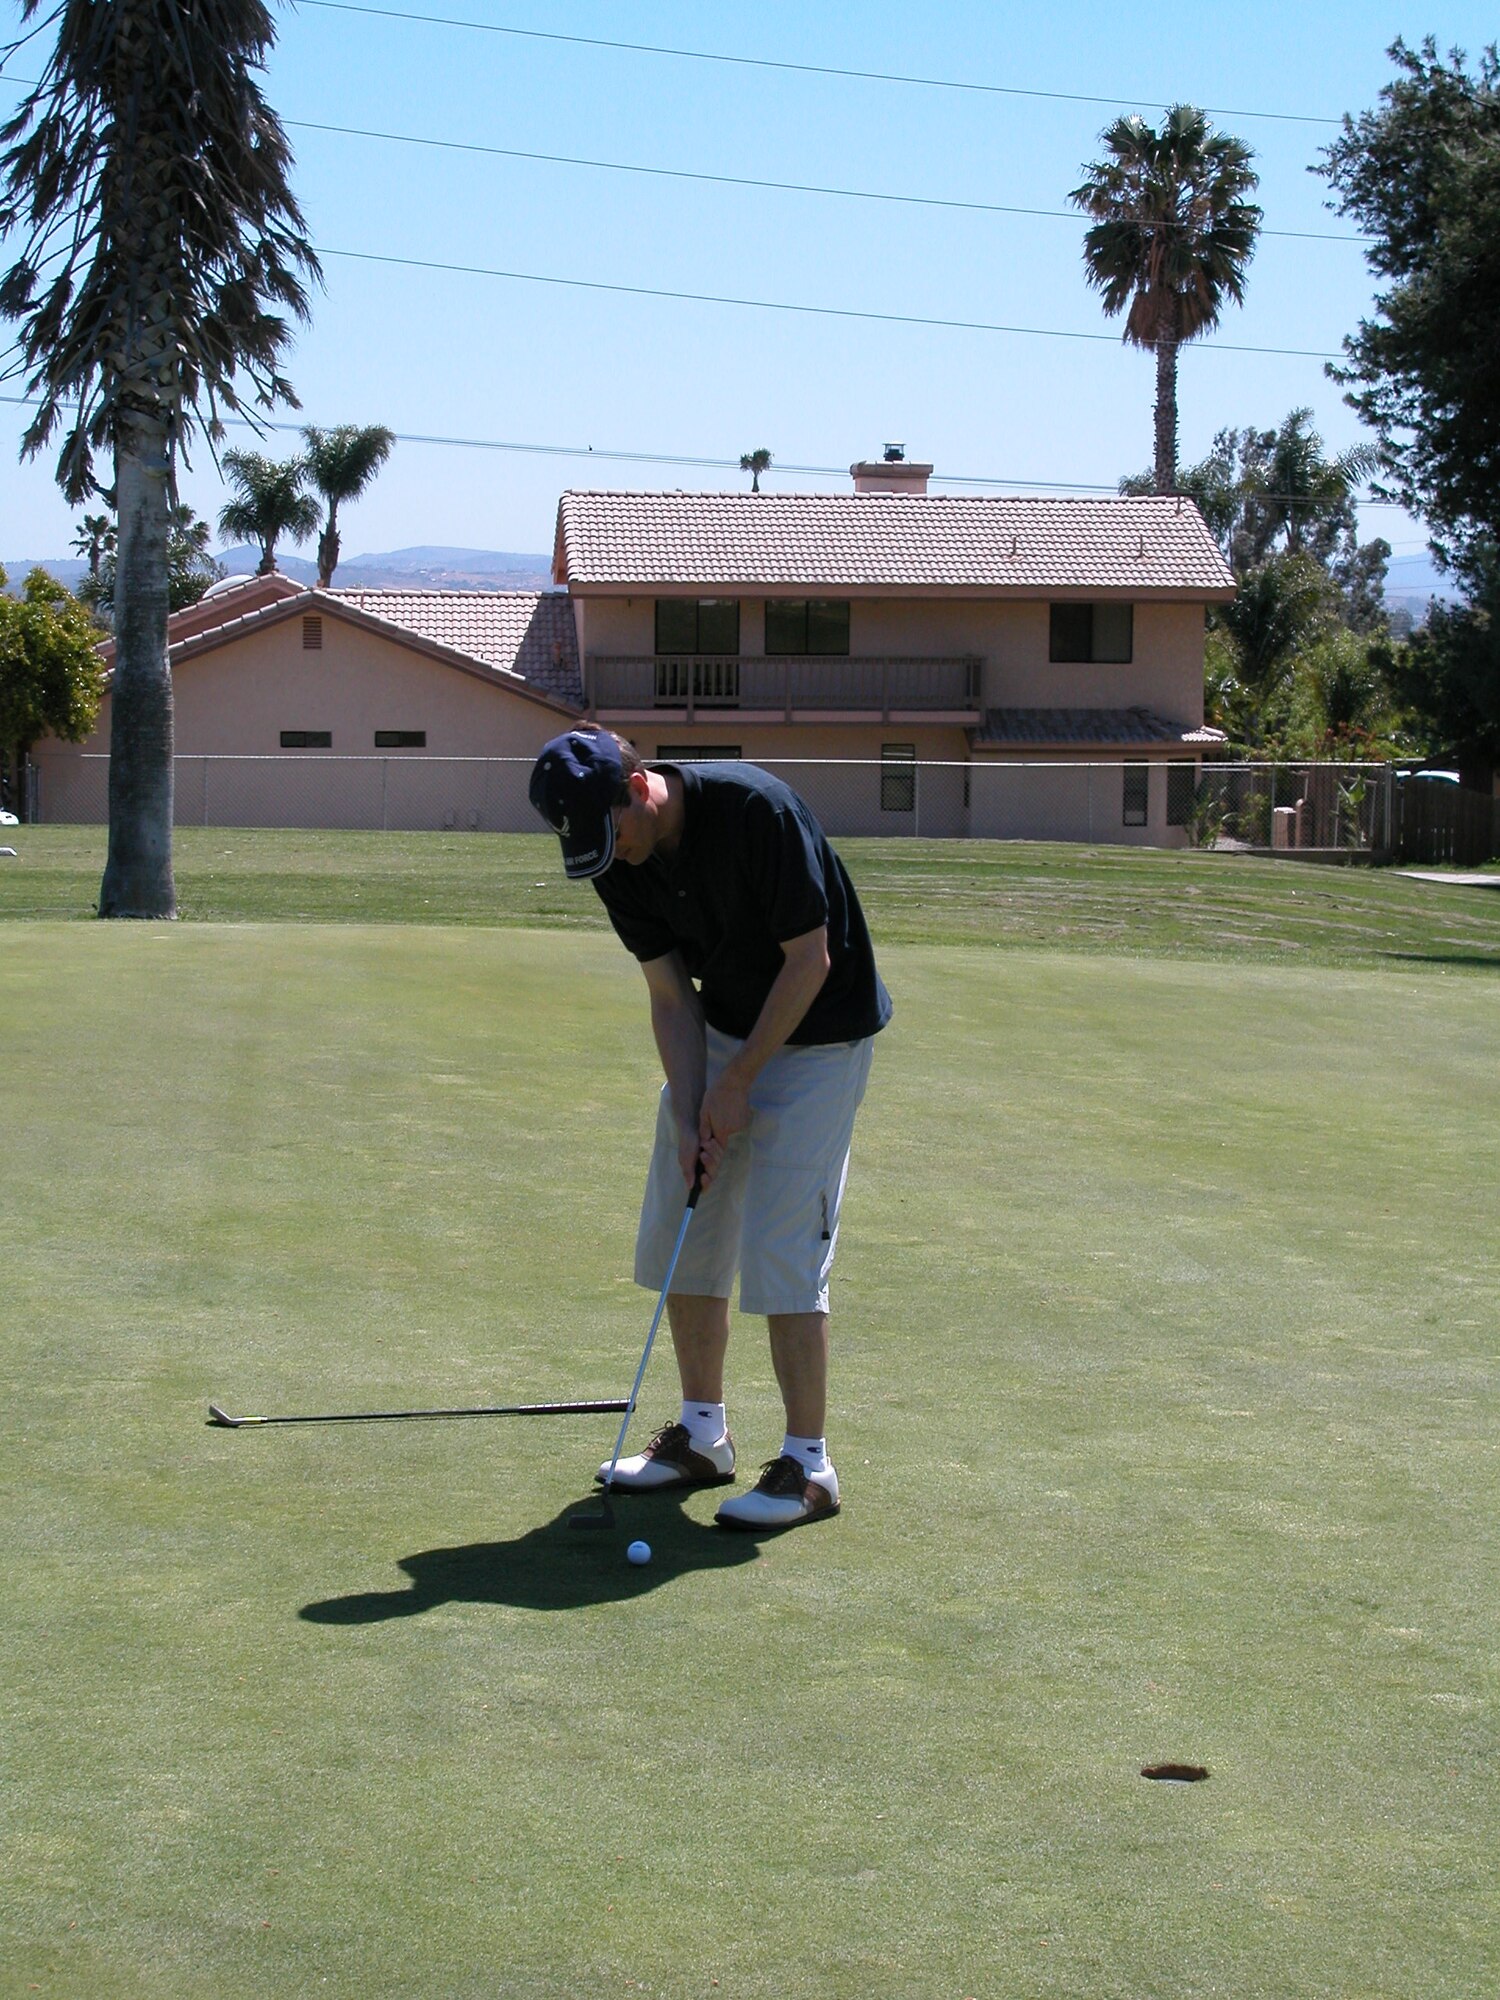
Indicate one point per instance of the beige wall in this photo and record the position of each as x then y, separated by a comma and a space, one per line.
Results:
1009, 635
235, 701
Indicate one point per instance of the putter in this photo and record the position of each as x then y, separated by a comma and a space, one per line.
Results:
218, 1415
605, 1518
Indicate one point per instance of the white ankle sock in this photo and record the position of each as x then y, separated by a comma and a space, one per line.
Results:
704, 1422
810, 1453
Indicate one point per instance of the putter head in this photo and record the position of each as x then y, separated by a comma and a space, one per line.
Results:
218, 1416
605, 1518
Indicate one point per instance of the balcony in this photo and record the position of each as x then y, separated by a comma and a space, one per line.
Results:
787, 690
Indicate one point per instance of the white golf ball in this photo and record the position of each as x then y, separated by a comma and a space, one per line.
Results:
638, 1552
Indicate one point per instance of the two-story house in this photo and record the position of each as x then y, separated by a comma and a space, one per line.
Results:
1001, 638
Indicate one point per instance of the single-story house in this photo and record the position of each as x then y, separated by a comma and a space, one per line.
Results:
991, 666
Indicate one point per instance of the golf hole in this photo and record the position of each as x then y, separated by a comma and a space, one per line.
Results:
1175, 1774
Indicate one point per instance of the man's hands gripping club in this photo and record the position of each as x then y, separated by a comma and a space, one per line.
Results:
710, 1116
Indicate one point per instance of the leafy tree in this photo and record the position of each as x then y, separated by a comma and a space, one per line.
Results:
1448, 674
755, 463
191, 567
1260, 490
1173, 232
51, 676
1282, 606
271, 503
341, 463
143, 182
1421, 176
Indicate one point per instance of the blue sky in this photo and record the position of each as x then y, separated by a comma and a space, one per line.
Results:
447, 354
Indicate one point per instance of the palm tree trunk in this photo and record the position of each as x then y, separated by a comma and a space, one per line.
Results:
138, 871
1166, 410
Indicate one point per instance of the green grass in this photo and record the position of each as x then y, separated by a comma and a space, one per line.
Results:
1164, 1408
990, 893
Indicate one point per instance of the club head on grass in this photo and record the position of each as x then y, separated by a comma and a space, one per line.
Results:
605, 1518
222, 1417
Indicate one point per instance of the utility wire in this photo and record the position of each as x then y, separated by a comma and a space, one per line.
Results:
784, 467
795, 68
720, 180
789, 306
743, 181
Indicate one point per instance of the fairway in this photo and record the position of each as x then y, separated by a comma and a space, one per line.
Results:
1164, 1344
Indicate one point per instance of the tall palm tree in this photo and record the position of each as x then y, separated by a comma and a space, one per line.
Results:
1172, 234
341, 463
144, 183
270, 503
755, 463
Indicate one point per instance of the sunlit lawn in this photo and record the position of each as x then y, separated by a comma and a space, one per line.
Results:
1164, 1406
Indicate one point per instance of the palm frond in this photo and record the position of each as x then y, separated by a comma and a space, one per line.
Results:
144, 182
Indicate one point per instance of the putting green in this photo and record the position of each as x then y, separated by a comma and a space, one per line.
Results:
1164, 1411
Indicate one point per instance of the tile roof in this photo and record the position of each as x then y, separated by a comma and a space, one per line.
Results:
919, 541
525, 632
1078, 728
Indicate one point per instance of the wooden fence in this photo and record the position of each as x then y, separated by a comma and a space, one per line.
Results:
1437, 822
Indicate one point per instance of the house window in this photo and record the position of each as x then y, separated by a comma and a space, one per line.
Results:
312, 635
307, 739
1137, 793
1182, 790
1097, 633
698, 753
697, 625
401, 739
817, 625
898, 789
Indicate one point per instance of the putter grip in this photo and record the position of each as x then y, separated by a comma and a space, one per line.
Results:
697, 1187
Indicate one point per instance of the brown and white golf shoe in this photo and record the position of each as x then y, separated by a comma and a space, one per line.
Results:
784, 1496
672, 1459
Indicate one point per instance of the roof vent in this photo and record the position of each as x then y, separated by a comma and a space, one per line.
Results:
892, 472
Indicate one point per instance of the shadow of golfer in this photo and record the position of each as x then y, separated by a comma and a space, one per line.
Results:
552, 1567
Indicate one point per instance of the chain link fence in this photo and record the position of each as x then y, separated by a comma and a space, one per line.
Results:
1344, 808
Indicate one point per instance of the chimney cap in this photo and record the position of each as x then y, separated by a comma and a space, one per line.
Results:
893, 454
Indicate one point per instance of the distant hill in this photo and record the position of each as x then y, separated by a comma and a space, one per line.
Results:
412, 569
402, 569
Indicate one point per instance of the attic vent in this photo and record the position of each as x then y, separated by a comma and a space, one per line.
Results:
312, 635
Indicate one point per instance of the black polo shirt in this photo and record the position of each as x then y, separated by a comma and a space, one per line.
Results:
752, 868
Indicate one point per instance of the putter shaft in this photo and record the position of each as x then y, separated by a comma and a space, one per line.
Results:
220, 1416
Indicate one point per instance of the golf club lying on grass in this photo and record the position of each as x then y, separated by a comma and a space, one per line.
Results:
605, 1518
216, 1415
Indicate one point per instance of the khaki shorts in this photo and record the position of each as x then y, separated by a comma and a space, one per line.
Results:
772, 1213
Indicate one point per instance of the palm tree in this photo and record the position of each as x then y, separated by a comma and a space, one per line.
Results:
271, 503
94, 540
1302, 491
1172, 235
341, 463
755, 463
143, 182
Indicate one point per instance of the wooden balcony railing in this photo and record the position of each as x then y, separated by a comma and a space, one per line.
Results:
685, 683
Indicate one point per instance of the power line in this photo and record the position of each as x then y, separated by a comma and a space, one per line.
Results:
720, 180
794, 68
611, 455
744, 181
789, 306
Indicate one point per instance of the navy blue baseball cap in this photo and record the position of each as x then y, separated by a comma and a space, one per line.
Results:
574, 783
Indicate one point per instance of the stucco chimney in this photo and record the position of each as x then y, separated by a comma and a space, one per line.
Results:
892, 472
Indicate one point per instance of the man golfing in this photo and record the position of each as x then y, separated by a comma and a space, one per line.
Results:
765, 1001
